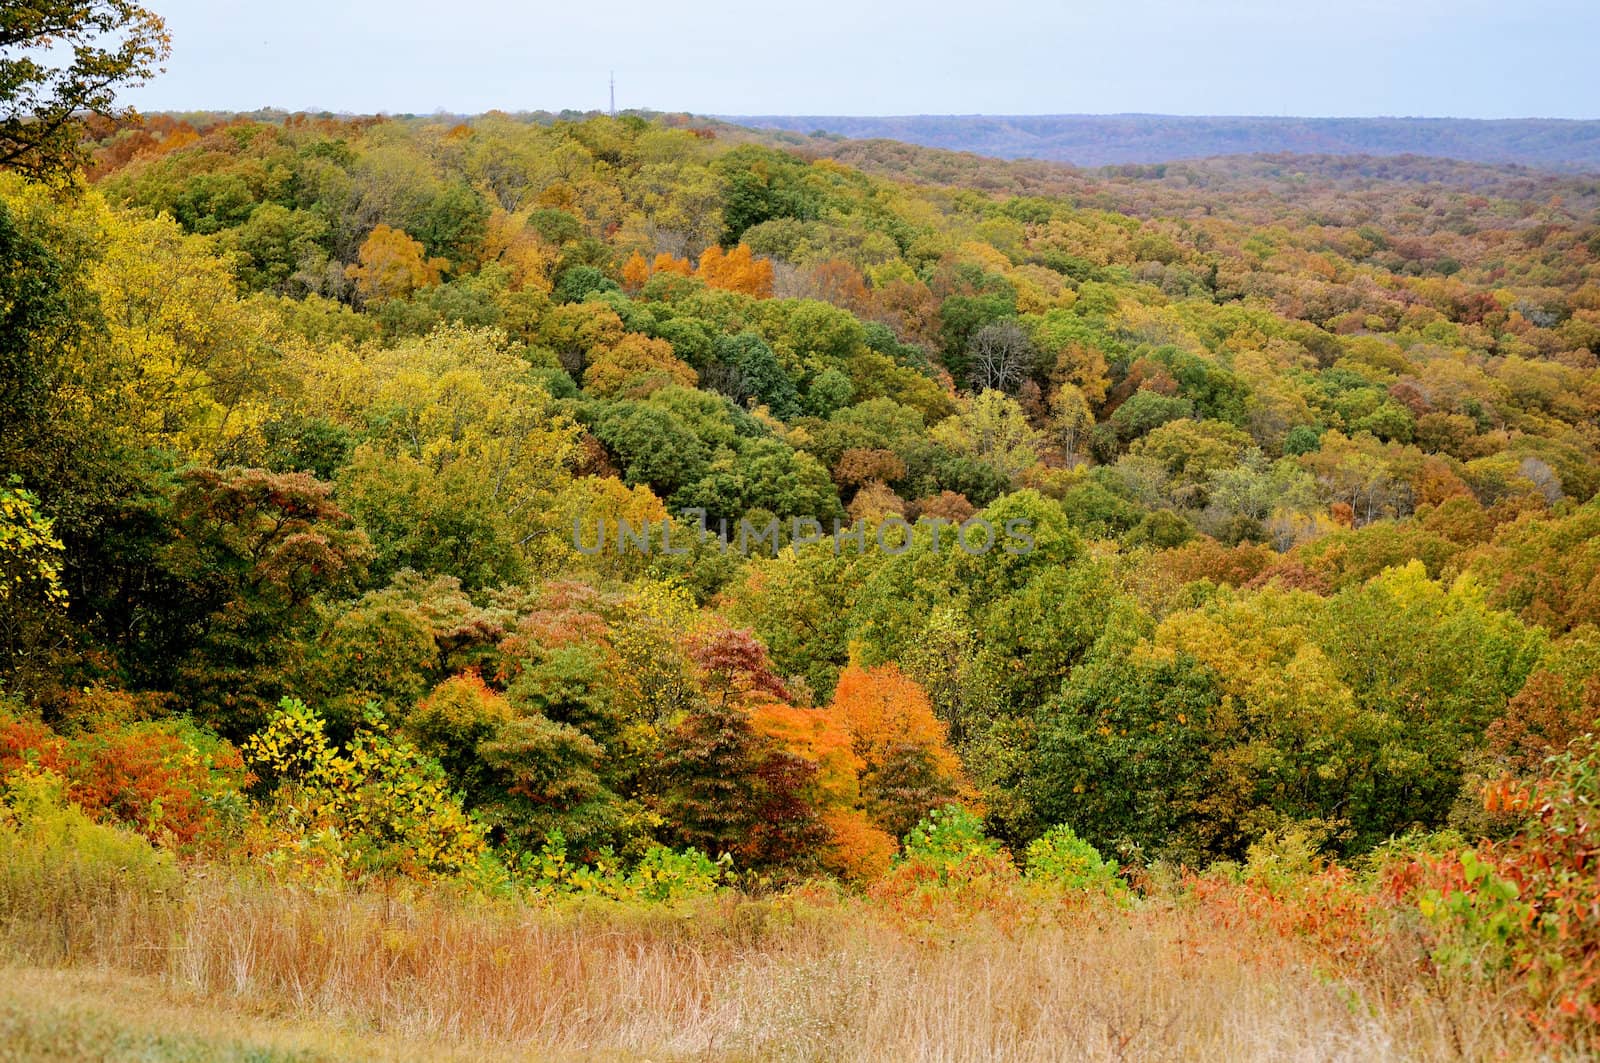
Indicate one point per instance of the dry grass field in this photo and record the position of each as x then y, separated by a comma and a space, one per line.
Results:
241, 970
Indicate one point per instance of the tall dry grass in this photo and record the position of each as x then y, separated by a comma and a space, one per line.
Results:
814, 976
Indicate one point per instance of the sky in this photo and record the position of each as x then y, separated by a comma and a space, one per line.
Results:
1442, 58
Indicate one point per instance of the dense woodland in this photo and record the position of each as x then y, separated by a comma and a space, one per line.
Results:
300, 413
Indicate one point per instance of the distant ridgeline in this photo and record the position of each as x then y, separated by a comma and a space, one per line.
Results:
1104, 140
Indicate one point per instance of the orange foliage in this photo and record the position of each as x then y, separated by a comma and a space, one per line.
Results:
153, 781
461, 700
635, 272
1209, 559
144, 776
665, 263
877, 716
1436, 482
858, 851
635, 366
883, 709
736, 271
911, 309
29, 743
950, 505
838, 282
818, 736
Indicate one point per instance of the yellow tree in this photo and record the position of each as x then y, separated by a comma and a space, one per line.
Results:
392, 265
186, 365
467, 460
512, 243
636, 365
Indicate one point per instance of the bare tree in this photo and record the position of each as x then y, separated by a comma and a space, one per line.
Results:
1001, 353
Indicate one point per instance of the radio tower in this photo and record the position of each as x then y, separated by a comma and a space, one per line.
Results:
613, 94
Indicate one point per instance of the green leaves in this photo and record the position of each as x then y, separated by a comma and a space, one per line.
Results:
29, 550
390, 808
112, 44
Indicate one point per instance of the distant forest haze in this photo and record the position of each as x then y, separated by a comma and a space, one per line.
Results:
1099, 140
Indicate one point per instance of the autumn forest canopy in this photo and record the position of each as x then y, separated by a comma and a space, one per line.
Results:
300, 414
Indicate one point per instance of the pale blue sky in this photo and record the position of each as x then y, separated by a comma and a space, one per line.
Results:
1457, 58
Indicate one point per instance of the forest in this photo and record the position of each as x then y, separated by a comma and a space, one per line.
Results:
315, 701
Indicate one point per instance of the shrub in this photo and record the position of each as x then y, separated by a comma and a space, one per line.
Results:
661, 875
376, 808
169, 781
948, 836
1059, 859
951, 866
1540, 894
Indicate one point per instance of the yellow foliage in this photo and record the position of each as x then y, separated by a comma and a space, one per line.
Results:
1260, 647
186, 364
590, 502
389, 808
637, 365
392, 265
512, 243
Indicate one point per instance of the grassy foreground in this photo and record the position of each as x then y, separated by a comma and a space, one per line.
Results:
228, 968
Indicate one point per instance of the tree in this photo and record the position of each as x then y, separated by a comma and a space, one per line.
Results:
1084, 368
760, 377
994, 430
634, 366
907, 769
736, 271
281, 246
392, 265
724, 787
30, 573
111, 44
1000, 354
576, 283
652, 444
250, 551
1125, 752
39, 291
635, 271
29, 550
1070, 419
1190, 451
188, 362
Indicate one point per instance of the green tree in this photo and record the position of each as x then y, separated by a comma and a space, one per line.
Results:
100, 46
724, 788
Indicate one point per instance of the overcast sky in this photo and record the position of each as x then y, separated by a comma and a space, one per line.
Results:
1458, 58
